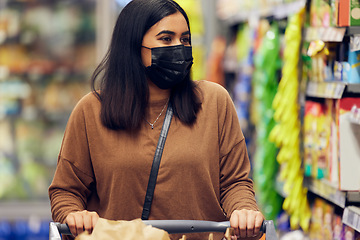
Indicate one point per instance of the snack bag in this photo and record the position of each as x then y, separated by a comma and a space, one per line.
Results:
127, 230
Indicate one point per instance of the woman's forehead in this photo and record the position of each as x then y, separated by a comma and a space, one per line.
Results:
175, 22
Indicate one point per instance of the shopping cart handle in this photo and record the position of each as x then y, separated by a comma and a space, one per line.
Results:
179, 226
189, 226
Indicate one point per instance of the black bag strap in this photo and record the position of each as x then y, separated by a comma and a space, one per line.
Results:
156, 163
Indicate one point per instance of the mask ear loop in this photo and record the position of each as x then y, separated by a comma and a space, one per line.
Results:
146, 47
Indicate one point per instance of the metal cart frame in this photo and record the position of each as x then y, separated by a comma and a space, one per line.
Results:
175, 226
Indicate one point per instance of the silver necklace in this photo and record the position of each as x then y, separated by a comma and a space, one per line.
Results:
152, 124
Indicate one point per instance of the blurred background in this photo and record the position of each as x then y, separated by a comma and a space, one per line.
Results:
292, 68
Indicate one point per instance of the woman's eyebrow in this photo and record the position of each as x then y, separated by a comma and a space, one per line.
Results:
166, 32
185, 33
172, 33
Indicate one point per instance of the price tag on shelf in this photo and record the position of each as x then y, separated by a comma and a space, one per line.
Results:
322, 90
339, 198
339, 90
325, 89
328, 34
355, 42
330, 89
351, 218
311, 88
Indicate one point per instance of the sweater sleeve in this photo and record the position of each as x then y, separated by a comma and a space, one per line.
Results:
236, 188
73, 179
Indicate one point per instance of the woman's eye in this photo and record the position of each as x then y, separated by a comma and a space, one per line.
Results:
185, 40
166, 39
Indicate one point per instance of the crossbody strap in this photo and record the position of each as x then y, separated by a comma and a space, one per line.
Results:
156, 163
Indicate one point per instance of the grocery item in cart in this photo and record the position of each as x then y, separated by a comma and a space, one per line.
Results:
129, 230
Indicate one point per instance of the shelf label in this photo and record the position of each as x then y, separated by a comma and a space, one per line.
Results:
351, 219
355, 42
339, 90
326, 34
325, 89
324, 189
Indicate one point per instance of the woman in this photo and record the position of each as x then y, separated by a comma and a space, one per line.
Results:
110, 140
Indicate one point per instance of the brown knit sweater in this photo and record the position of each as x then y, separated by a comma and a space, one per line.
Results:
203, 173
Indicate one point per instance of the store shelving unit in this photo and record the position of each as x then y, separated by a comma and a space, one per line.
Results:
15, 210
330, 34
329, 192
326, 190
326, 34
41, 79
342, 199
351, 217
331, 89
322, 187
279, 11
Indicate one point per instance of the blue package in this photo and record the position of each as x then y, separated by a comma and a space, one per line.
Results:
351, 68
5, 230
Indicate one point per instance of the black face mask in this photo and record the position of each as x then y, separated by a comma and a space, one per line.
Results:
169, 65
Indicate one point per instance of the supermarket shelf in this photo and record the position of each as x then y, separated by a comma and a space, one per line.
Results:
330, 34
326, 34
352, 30
353, 197
278, 12
326, 190
353, 88
351, 217
25, 210
325, 89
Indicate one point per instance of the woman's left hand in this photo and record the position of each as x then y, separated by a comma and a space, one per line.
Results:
246, 223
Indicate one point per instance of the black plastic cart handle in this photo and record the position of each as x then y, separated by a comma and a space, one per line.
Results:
175, 226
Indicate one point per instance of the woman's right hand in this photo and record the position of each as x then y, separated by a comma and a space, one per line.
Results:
81, 221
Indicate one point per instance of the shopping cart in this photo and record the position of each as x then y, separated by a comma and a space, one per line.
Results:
175, 226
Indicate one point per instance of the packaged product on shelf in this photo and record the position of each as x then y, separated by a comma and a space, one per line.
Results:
320, 13
31, 228
319, 53
351, 68
328, 221
323, 139
242, 85
317, 219
311, 110
334, 4
349, 13
349, 233
337, 227
349, 145
264, 86
342, 50
325, 224
333, 155
317, 132
355, 114
7, 176
5, 230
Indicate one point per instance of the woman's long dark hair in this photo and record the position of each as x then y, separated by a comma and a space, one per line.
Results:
124, 91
